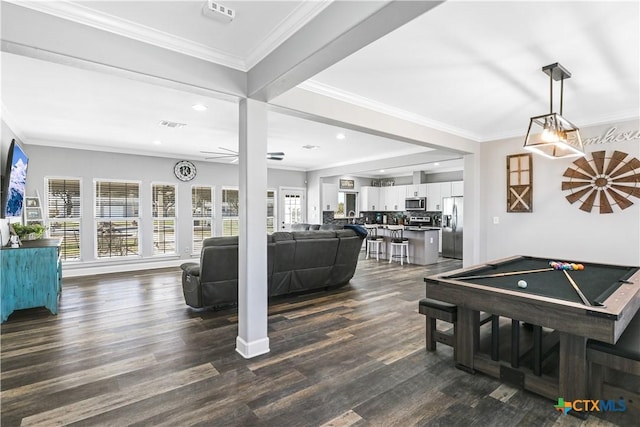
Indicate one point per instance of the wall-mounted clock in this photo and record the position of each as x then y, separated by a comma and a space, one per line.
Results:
185, 170
604, 181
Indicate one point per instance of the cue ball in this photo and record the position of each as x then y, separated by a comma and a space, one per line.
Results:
522, 284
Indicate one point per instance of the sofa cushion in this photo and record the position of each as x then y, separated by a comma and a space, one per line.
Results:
314, 260
346, 233
219, 263
283, 266
346, 257
220, 241
331, 227
299, 227
279, 236
317, 234
192, 268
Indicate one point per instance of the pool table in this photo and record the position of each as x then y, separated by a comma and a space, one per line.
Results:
611, 299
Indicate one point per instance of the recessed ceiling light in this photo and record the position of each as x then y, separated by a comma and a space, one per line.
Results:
157, 142
436, 164
311, 147
381, 170
341, 136
199, 107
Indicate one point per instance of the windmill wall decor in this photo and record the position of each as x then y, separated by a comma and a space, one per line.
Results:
603, 182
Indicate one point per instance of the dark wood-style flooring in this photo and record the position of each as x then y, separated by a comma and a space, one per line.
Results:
125, 350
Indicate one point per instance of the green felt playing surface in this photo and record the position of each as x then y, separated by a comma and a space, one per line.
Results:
596, 281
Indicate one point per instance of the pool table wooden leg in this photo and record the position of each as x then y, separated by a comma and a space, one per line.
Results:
573, 367
495, 337
515, 343
537, 350
466, 338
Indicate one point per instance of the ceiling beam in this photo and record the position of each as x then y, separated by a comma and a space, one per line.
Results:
38, 35
338, 31
313, 106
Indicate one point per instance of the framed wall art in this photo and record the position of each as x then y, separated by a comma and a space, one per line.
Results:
520, 183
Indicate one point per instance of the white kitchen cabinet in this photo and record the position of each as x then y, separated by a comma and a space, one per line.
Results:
411, 190
416, 190
387, 196
434, 196
401, 195
457, 188
445, 189
329, 197
392, 198
369, 199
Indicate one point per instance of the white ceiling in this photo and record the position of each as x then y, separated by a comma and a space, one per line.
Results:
469, 68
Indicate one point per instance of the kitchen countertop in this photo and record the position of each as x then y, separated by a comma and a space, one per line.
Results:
411, 228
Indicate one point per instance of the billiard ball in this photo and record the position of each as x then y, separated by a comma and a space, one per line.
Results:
522, 284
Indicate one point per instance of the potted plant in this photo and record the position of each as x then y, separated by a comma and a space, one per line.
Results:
29, 232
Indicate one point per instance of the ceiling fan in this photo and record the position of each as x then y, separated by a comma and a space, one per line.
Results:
231, 154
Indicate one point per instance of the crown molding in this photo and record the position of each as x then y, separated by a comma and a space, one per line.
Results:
601, 120
297, 19
11, 123
352, 98
86, 16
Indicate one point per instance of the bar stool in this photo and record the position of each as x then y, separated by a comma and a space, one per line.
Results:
375, 243
399, 244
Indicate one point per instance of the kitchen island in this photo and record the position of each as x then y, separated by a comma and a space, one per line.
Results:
423, 244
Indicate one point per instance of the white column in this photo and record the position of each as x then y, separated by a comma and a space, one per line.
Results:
252, 337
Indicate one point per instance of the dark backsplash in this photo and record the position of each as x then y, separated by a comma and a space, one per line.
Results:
372, 217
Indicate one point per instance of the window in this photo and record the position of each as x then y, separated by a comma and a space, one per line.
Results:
202, 212
271, 218
347, 203
63, 215
117, 205
230, 212
164, 218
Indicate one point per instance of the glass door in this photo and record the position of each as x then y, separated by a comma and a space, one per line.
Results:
292, 207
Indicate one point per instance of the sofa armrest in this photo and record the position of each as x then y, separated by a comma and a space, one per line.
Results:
191, 268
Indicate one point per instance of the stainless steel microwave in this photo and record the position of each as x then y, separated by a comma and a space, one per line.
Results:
416, 204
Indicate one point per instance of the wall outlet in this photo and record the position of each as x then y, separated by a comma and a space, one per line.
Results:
186, 250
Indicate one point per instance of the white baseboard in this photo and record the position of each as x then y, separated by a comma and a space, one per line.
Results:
87, 269
252, 349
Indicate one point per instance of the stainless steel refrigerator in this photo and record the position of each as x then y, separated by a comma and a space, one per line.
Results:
452, 226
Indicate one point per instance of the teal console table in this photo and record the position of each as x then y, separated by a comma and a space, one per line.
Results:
31, 276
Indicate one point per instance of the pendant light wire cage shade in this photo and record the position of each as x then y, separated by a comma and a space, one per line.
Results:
551, 135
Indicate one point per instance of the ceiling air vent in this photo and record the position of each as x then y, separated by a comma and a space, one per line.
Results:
171, 125
215, 10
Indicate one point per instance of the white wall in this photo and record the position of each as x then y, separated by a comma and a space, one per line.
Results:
89, 165
555, 229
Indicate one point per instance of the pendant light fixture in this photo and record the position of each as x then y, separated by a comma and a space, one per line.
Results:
551, 135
